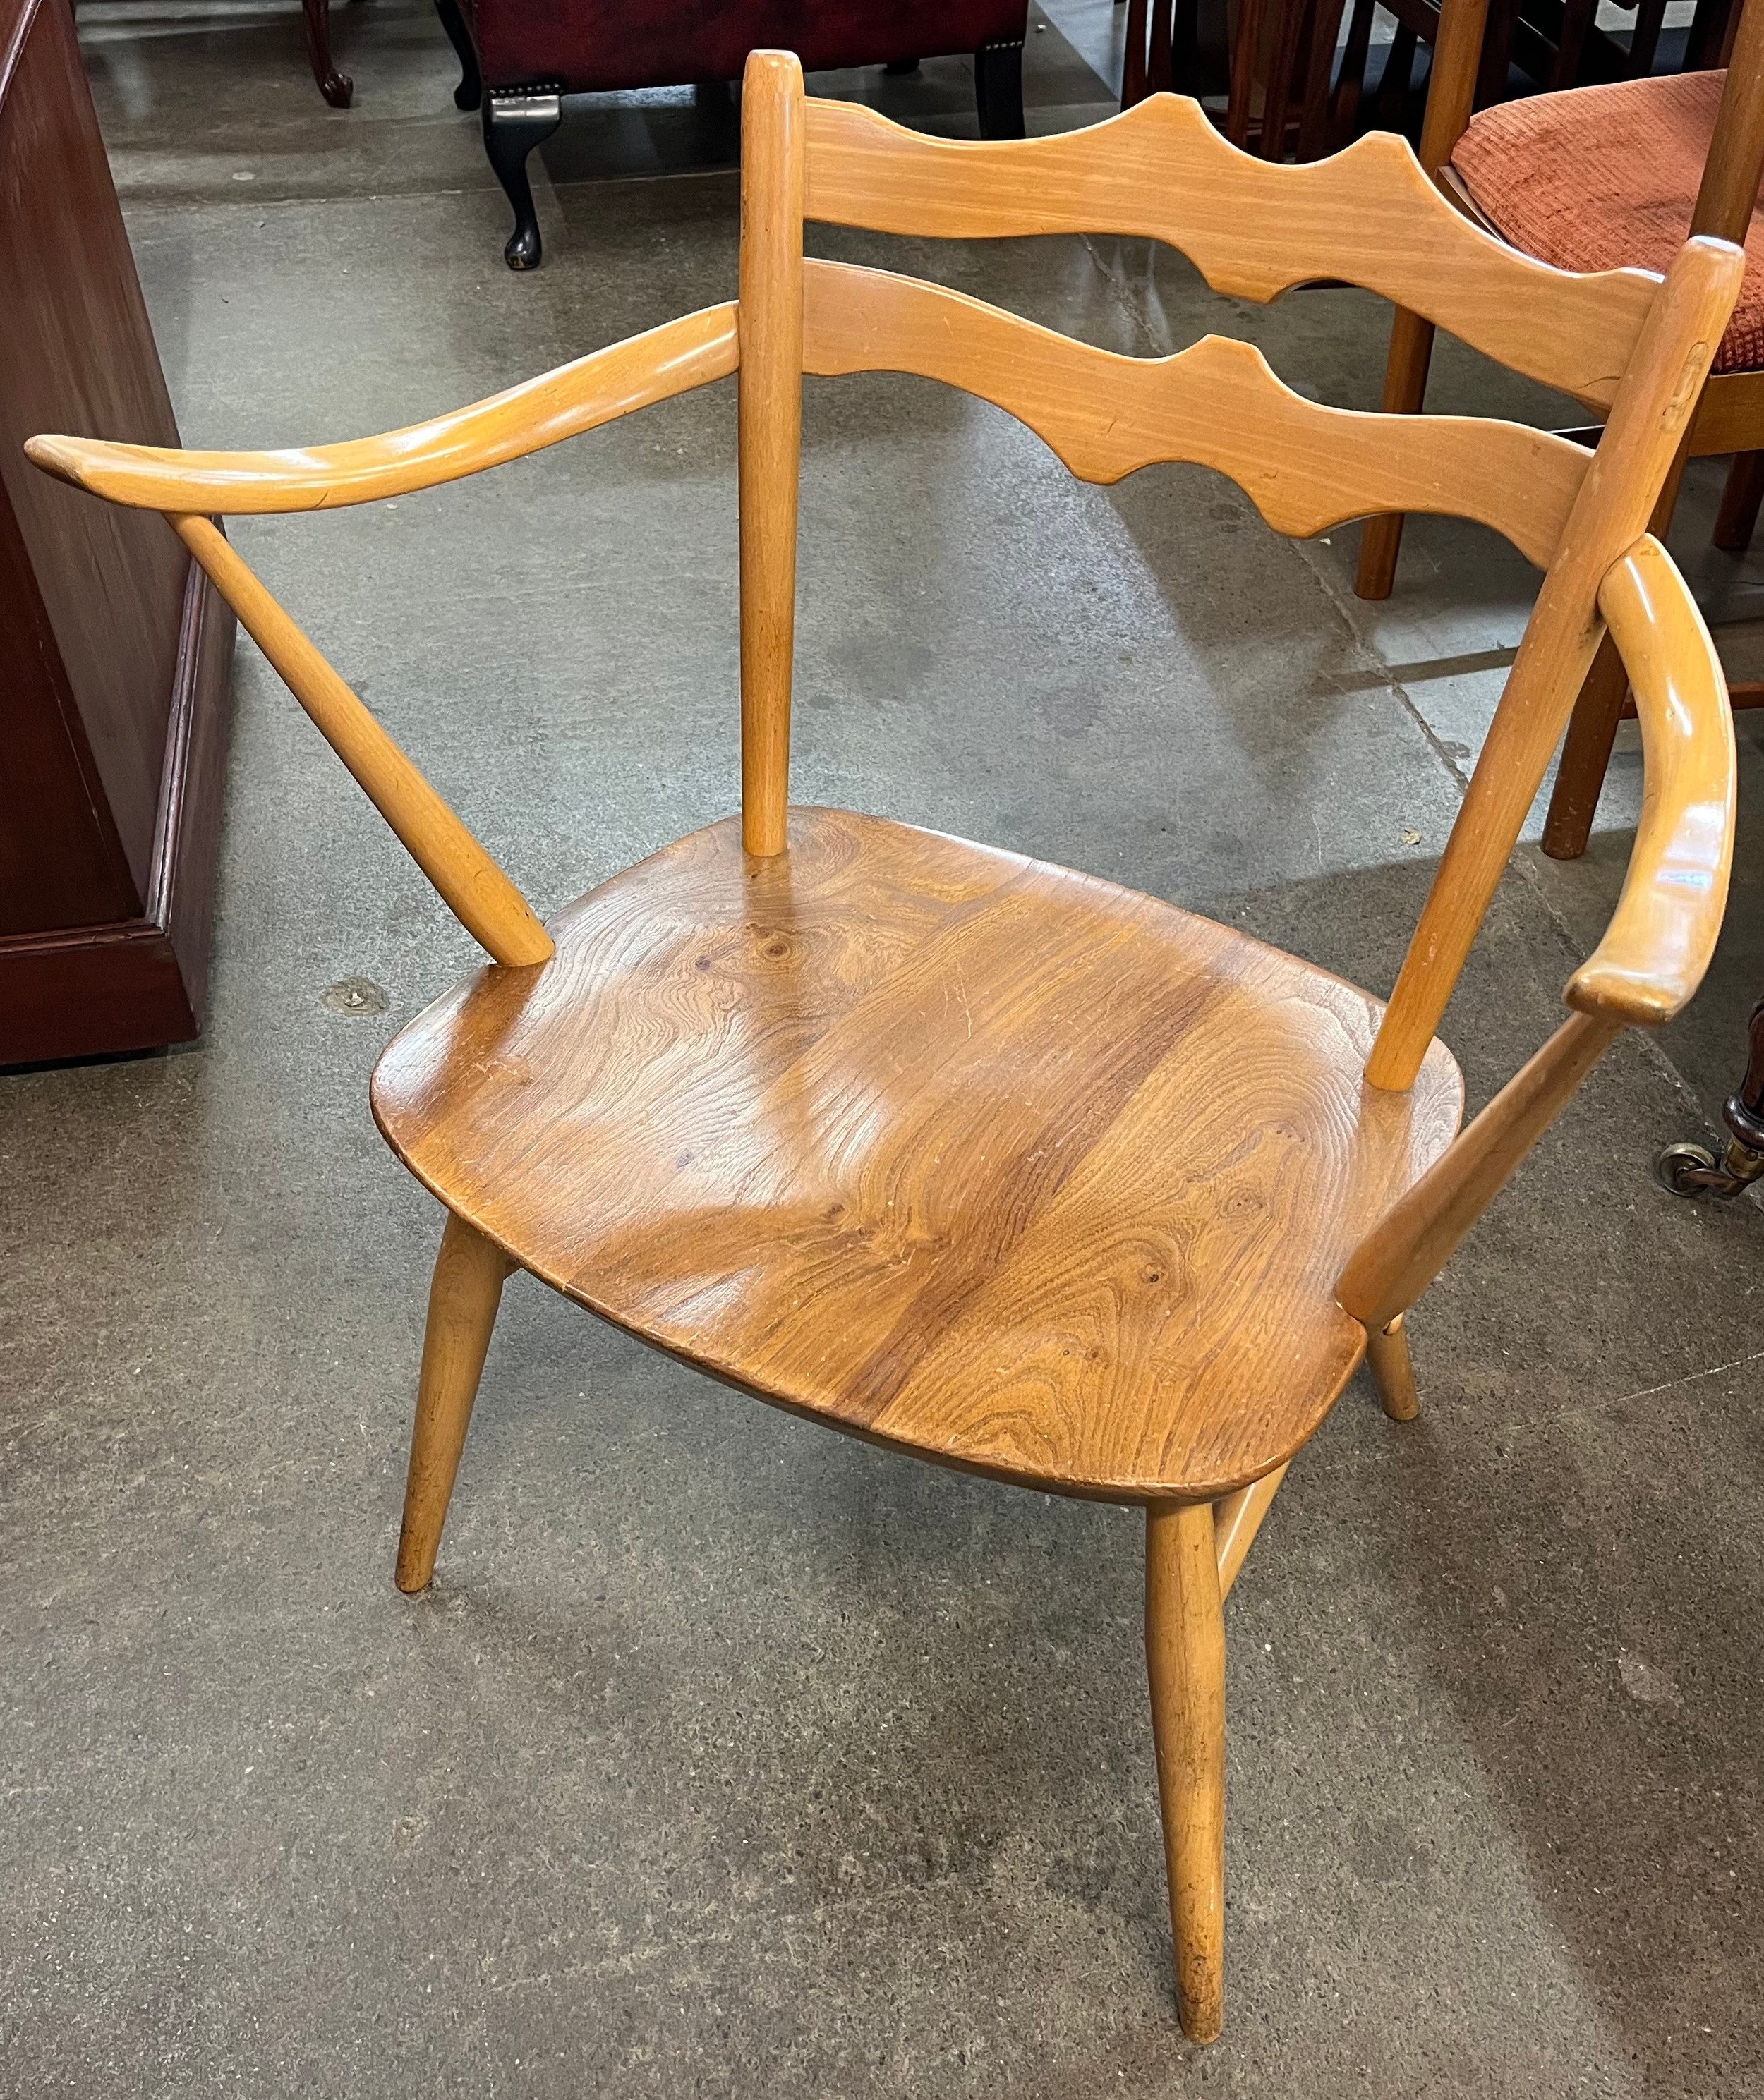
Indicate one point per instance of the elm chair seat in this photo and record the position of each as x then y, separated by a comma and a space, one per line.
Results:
952, 1148
1605, 178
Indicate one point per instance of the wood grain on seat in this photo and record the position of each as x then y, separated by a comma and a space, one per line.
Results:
968, 1153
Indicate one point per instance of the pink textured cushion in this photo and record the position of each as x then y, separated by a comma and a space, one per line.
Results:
1601, 177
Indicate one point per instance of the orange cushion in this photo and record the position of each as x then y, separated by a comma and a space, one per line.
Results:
1598, 178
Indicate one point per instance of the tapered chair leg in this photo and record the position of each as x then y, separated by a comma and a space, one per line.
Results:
998, 91
1387, 1351
1185, 1659
515, 122
470, 91
470, 1272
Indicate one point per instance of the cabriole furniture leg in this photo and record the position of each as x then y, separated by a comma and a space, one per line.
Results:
338, 88
515, 122
470, 91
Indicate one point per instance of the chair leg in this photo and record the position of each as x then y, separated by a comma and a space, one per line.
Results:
470, 91
998, 90
1387, 1351
516, 120
1185, 1659
467, 1288
338, 88
1737, 518
1585, 754
1405, 393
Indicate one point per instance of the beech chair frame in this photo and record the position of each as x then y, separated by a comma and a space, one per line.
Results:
1370, 216
1729, 415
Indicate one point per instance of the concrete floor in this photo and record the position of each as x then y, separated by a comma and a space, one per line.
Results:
726, 1755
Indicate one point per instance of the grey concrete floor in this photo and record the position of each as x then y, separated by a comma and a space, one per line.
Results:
727, 1756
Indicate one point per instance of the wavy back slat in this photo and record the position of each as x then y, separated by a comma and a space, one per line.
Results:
1253, 228
1305, 467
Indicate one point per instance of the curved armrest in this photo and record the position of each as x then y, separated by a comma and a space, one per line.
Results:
608, 383
1663, 932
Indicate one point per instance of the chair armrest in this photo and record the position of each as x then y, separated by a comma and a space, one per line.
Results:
1663, 932
594, 390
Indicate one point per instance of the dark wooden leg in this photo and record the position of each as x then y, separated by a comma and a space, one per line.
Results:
470, 91
1592, 730
1737, 519
1693, 1170
1246, 46
1157, 64
998, 91
1344, 112
1133, 81
1392, 104
1405, 390
338, 89
516, 120
1185, 47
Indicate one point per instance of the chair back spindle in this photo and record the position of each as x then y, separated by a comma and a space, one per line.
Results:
774, 138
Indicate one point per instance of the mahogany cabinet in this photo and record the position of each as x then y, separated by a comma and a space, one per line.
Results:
115, 654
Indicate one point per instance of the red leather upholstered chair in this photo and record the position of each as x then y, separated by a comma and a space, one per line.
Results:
519, 58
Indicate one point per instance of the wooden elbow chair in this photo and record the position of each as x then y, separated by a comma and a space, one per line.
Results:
995, 1164
1600, 179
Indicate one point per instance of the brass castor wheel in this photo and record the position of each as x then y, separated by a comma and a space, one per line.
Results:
1685, 1170
1689, 1169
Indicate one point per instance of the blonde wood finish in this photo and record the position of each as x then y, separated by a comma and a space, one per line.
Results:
595, 389
773, 137
1253, 228
463, 1298
1184, 1660
1236, 1519
1387, 1351
968, 1155
1417, 1237
1593, 725
959, 1150
1306, 467
1663, 933
1647, 420
470, 884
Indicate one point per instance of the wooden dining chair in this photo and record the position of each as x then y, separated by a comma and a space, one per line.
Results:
1600, 178
1295, 83
990, 1163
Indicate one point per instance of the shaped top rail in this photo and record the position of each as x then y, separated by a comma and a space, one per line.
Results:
1306, 467
1253, 228
579, 396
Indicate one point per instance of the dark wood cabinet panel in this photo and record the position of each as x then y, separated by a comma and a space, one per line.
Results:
115, 657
